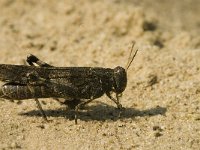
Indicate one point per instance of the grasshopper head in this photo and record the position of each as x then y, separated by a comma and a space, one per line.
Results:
120, 74
120, 79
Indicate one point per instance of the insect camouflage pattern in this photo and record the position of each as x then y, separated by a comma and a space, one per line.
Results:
78, 85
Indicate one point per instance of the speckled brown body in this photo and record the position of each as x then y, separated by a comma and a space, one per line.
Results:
74, 82
80, 85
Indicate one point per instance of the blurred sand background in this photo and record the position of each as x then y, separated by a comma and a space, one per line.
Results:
162, 98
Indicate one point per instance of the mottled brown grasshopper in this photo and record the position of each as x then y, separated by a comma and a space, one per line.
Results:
78, 85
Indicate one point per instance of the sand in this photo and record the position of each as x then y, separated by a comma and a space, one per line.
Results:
162, 98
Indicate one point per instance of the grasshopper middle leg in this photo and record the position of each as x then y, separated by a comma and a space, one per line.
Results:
82, 104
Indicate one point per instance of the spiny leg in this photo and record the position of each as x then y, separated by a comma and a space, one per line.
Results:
41, 110
38, 104
33, 59
79, 106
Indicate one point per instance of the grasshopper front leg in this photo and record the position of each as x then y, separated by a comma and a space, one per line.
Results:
116, 101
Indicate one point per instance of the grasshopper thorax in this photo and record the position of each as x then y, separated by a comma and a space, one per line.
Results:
120, 79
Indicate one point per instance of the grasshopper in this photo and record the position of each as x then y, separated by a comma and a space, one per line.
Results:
77, 85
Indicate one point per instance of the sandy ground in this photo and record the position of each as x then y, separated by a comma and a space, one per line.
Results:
162, 98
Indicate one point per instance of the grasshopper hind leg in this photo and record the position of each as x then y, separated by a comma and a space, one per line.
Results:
41, 110
32, 60
39, 105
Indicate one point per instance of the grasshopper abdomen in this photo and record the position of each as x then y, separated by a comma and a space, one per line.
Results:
20, 92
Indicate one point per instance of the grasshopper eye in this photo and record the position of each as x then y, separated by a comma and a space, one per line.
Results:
120, 79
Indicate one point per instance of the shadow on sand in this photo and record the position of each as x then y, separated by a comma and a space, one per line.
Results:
100, 112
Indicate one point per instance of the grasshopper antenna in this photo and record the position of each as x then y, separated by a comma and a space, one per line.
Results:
130, 59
